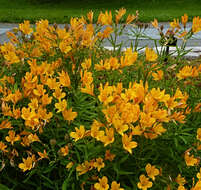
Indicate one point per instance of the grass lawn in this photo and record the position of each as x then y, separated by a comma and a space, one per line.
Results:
60, 11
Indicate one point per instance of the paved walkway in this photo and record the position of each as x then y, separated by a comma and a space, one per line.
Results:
129, 36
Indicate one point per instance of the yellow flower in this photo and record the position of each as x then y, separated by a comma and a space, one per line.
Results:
12, 138
159, 96
181, 187
42, 113
105, 19
16, 96
128, 144
69, 165
79, 134
155, 23
69, 115
144, 183
158, 75
158, 129
199, 134
160, 115
62, 34
109, 156
52, 84
46, 100
84, 167
146, 120
99, 164
199, 174
152, 171
180, 180
95, 133
61, 105
43, 155
36, 52
27, 113
5, 124
39, 91
3, 147
25, 27
109, 137
33, 138
64, 47
108, 64
119, 125
86, 64
6, 110
178, 94
113, 62
196, 27
129, 58
184, 19
116, 186
86, 78
130, 18
178, 116
34, 104
137, 130
197, 108
64, 79
58, 94
103, 184
13, 38
175, 24
90, 16
119, 14
88, 89
27, 163
64, 150
190, 160
150, 55
185, 72
25, 141
197, 186
11, 57
106, 94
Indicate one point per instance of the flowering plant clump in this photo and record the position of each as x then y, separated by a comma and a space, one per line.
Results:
176, 32
77, 116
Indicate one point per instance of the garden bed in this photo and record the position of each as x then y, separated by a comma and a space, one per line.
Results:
77, 116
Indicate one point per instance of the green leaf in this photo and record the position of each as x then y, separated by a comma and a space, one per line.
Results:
15, 86
3, 187
182, 138
124, 158
66, 181
30, 175
125, 173
47, 182
176, 142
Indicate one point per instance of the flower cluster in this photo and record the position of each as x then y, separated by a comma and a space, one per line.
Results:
74, 111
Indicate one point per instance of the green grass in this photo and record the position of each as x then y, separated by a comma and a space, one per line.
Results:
61, 11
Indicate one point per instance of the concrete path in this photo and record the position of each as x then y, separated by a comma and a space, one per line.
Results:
3, 30
4, 27
129, 36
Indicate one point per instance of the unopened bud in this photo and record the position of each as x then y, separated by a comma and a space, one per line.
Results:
15, 30
53, 142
